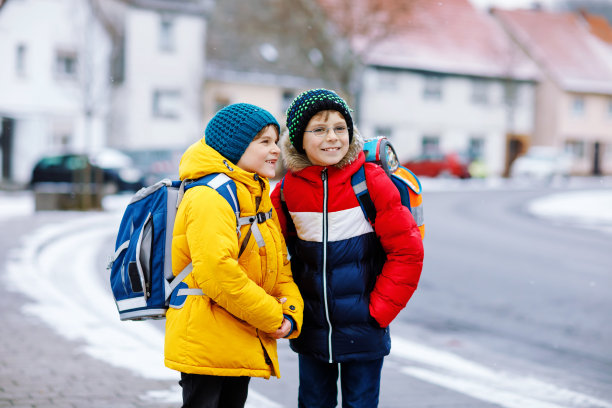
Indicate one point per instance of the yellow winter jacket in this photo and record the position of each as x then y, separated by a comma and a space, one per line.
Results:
224, 332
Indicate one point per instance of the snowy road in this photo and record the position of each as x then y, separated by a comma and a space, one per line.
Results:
58, 268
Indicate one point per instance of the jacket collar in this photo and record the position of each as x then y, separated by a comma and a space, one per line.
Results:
299, 164
200, 160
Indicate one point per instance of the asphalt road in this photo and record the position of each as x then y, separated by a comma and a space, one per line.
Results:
528, 295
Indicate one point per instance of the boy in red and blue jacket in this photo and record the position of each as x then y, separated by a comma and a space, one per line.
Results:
354, 277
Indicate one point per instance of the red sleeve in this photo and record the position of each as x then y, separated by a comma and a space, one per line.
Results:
401, 241
276, 202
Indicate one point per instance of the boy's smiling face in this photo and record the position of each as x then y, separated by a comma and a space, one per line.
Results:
262, 154
329, 149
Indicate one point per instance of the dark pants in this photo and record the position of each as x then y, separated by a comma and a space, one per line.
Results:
359, 382
210, 391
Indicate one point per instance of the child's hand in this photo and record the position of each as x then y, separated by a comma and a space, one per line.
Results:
283, 330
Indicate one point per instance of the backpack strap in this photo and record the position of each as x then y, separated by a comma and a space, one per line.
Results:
360, 187
222, 184
254, 221
178, 279
226, 187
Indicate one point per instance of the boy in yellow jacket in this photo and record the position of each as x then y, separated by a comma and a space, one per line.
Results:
221, 339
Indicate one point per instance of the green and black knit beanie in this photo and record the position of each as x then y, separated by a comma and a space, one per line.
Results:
234, 127
308, 104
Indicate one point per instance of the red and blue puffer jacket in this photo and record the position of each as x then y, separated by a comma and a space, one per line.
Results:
354, 279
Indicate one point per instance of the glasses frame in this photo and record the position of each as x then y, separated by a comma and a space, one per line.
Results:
327, 129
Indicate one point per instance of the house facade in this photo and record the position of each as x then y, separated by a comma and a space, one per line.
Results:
159, 72
452, 82
54, 91
273, 92
574, 95
82, 75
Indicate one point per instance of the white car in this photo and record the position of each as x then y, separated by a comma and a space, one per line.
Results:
542, 163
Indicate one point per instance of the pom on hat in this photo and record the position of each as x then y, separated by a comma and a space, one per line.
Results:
234, 127
309, 103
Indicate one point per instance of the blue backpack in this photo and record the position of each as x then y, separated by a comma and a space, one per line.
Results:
141, 277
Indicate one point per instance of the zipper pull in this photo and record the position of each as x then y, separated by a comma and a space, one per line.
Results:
324, 174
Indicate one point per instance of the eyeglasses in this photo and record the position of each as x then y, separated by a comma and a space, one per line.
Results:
322, 131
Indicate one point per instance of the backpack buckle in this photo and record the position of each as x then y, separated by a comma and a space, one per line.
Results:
261, 217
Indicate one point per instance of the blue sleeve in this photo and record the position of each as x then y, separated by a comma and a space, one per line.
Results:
292, 324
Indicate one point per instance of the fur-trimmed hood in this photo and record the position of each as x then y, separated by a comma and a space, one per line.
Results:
295, 161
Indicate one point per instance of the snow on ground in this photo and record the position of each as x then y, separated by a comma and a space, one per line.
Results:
589, 209
15, 205
124, 345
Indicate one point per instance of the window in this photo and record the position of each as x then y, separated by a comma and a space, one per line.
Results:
578, 106
76, 163
166, 34
476, 148
430, 145
575, 148
433, 87
166, 104
480, 91
387, 80
20, 60
511, 93
66, 64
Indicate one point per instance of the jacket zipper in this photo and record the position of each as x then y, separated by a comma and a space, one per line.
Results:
266, 356
329, 338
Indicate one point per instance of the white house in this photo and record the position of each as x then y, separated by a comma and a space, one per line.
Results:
158, 72
81, 75
54, 92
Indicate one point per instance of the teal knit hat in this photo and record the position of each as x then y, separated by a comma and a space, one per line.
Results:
234, 127
309, 103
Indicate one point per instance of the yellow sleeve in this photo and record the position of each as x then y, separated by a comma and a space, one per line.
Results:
213, 244
286, 288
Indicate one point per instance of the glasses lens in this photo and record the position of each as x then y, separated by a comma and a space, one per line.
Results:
340, 130
320, 132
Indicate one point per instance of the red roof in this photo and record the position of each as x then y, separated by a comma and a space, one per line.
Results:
452, 36
598, 26
561, 44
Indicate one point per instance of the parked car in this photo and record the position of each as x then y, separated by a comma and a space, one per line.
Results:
542, 163
120, 167
72, 169
156, 164
438, 165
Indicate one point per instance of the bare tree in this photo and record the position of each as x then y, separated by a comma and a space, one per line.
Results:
341, 33
324, 40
